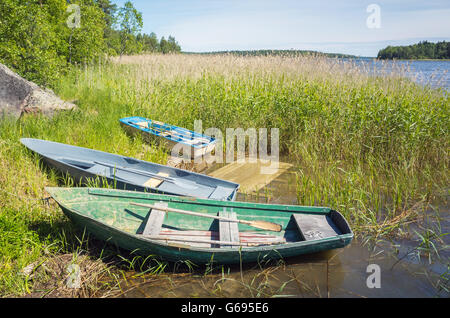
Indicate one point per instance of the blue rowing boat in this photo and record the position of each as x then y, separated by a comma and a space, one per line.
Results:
128, 173
170, 135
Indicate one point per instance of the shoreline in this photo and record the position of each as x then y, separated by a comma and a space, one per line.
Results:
418, 60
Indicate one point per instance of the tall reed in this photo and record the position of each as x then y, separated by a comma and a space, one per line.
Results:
372, 144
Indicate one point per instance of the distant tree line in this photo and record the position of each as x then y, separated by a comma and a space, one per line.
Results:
421, 50
40, 39
278, 52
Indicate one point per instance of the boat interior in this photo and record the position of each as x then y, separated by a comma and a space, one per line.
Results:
164, 180
176, 133
224, 233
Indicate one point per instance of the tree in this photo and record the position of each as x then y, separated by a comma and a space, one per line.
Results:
88, 40
109, 9
421, 50
37, 42
28, 43
173, 45
130, 23
149, 42
163, 45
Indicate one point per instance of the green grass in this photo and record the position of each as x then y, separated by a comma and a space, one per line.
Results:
374, 148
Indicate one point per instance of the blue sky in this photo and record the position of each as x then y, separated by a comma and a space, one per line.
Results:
327, 26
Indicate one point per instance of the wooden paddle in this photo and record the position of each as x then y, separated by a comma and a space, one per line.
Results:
260, 224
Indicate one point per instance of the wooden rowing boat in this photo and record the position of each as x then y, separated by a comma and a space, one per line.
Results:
128, 173
173, 230
194, 143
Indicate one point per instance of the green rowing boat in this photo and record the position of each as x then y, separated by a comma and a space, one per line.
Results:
178, 228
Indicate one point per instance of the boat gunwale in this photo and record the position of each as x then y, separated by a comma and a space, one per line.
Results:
201, 201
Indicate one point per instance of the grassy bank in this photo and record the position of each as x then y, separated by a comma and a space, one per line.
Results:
374, 148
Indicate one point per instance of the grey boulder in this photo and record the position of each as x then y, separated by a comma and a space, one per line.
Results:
19, 96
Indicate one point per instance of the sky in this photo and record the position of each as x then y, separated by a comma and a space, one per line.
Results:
354, 27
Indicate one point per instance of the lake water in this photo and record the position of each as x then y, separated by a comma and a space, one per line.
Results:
433, 73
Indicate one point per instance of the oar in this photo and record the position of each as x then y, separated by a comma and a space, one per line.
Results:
183, 184
260, 224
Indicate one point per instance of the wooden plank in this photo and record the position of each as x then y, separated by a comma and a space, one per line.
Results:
250, 235
155, 220
228, 231
252, 177
209, 242
314, 227
196, 241
208, 235
224, 227
142, 124
154, 182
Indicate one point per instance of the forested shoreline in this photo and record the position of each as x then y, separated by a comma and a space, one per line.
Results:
40, 39
421, 50
290, 53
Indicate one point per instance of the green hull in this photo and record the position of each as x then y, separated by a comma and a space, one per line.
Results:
109, 215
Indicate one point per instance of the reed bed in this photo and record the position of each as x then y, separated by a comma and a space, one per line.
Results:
370, 143
373, 146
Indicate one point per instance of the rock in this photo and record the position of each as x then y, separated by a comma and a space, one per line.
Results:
19, 96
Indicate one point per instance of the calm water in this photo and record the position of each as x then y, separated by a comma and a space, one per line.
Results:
433, 73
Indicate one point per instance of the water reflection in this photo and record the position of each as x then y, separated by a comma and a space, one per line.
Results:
340, 273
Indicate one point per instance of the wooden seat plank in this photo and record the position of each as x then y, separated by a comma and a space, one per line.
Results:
155, 220
155, 182
228, 231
